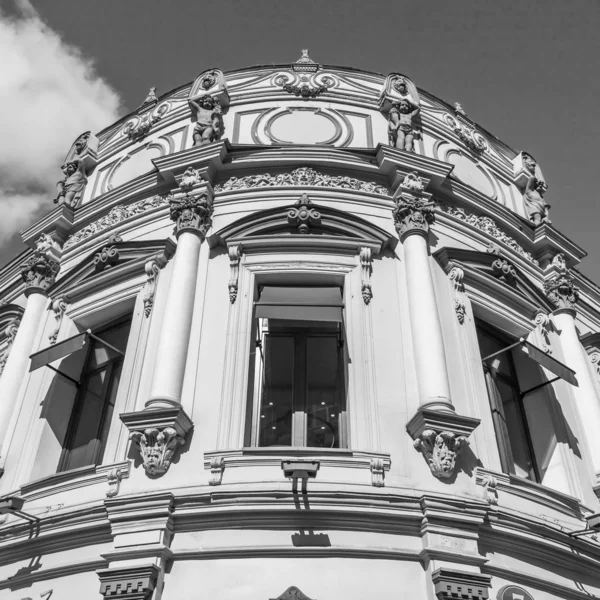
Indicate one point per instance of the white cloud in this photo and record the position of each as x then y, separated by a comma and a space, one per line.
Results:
49, 94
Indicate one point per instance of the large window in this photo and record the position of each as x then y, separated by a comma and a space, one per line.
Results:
300, 392
92, 410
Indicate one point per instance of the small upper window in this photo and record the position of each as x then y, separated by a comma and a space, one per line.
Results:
300, 392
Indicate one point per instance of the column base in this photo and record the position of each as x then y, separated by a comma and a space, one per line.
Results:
157, 432
440, 436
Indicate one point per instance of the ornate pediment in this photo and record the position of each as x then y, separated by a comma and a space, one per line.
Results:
494, 271
111, 262
304, 225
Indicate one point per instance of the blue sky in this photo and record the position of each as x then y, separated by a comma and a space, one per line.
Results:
526, 71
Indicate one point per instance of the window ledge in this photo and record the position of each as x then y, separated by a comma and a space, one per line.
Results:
77, 478
218, 460
529, 490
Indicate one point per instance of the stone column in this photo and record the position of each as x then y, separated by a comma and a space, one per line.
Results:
439, 433
39, 273
563, 293
162, 426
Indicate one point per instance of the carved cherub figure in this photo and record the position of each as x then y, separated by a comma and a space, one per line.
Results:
71, 188
537, 209
401, 125
209, 120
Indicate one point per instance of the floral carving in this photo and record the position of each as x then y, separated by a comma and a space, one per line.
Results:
115, 216
191, 212
377, 472
366, 266
303, 215
190, 178
561, 290
412, 214
39, 271
456, 276
217, 466
440, 451
303, 176
10, 332
152, 269
109, 255
489, 226
466, 132
235, 254
157, 448
59, 306
413, 182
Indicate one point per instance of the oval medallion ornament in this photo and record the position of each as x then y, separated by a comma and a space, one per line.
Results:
513, 592
303, 126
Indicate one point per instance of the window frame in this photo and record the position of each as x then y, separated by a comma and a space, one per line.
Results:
114, 369
300, 416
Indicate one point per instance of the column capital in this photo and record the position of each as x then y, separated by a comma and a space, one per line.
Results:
192, 210
39, 271
561, 290
413, 213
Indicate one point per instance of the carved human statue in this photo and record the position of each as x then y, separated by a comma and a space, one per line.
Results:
401, 125
209, 120
71, 188
537, 209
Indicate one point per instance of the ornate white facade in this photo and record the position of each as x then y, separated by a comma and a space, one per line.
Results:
298, 332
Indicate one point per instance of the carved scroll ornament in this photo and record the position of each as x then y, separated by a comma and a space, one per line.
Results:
10, 332
303, 215
456, 276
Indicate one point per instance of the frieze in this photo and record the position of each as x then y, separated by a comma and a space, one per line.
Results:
303, 176
489, 226
116, 215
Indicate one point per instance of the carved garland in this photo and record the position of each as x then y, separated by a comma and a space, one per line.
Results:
489, 226
301, 177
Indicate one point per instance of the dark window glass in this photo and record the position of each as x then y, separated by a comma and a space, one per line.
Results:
508, 406
92, 412
301, 395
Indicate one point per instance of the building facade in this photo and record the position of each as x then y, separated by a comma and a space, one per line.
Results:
298, 331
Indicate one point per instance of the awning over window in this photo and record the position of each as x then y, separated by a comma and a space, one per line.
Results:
60, 350
300, 303
542, 358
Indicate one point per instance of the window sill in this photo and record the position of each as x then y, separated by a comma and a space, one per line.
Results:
218, 460
523, 488
77, 478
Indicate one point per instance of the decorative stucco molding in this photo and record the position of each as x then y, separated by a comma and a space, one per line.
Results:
543, 323
452, 584
366, 266
501, 268
490, 489
594, 359
158, 432
560, 288
39, 271
440, 436
457, 276
108, 256
235, 255
190, 179
487, 225
217, 467
152, 269
59, 306
139, 126
9, 333
128, 583
114, 478
303, 176
465, 131
292, 593
115, 216
303, 215
377, 472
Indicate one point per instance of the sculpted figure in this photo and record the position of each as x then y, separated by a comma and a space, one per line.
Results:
209, 120
537, 209
71, 188
401, 125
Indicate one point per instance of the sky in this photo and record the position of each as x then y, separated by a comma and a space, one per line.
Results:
525, 71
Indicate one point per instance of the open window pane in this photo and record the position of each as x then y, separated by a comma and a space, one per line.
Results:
322, 378
277, 391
